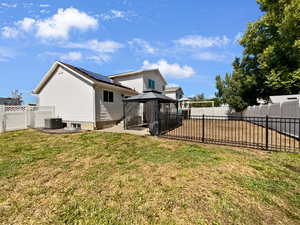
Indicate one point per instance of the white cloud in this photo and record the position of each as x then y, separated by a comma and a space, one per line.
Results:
28, 5
9, 5
9, 32
72, 56
113, 14
211, 56
26, 24
142, 46
5, 54
99, 58
198, 41
170, 70
76, 56
97, 46
118, 14
42, 11
44, 5
59, 25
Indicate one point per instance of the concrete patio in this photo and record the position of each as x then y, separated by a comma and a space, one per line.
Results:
120, 129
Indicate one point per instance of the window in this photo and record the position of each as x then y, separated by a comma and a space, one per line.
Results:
292, 98
151, 84
76, 125
108, 96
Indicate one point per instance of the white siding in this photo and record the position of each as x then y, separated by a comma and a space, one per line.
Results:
213, 111
106, 111
134, 82
72, 97
159, 83
139, 82
171, 94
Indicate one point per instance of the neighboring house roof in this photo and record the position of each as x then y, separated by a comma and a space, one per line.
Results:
284, 98
184, 99
131, 73
91, 77
172, 89
147, 96
5, 100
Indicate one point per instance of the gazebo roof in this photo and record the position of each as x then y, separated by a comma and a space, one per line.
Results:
148, 96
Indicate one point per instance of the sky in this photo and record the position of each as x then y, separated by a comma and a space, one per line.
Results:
190, 41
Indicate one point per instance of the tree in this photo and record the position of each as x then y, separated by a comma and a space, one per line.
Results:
198, 97
18, 96
201, 97
270, 64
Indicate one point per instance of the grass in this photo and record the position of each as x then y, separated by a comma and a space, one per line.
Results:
102, 178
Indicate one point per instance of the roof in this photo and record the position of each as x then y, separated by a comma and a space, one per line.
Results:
132, 73
8, 100
147, 96
92, 77
95, 76
172, 89
184, 99
284, 98
5, 98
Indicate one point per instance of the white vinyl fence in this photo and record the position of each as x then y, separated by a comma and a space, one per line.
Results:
213, 111
284, 117
290, 109
22, 117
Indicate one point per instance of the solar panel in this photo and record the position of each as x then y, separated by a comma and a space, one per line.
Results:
96, 75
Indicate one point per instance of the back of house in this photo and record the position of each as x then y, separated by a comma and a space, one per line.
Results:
90, 100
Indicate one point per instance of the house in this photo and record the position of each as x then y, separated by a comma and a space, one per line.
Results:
141, 81
278, 99
184, 103
283, 98
91, 100
174, 92
9, 101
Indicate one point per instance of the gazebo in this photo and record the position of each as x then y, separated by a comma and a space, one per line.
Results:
147, 110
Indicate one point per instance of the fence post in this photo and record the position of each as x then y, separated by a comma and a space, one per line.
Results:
124, 115
203, 136
26, 116
2, 118
267, 132
298, 134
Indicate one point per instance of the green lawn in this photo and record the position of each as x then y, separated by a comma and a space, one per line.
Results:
102, 178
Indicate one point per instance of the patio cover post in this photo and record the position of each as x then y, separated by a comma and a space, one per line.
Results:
124, 114
158, 117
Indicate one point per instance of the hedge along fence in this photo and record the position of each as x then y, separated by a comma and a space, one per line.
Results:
22, 117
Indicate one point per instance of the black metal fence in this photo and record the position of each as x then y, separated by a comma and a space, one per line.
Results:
169, 121
274, 134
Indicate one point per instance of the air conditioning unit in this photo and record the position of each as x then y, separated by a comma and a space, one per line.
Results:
53, 123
